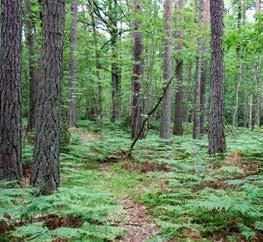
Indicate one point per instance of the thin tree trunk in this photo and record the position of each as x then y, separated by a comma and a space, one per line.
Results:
188, 109
216, 130
178, 122
257, 84
166, 107
256, 96
115, 66
245, 105
202, 99
45, 167
199, 69
10, 90
187, 114
138, 69
149, 77
239, 75
73, 64
97, 60
33, 77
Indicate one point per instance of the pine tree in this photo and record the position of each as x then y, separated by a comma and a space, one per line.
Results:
216, 130
45, 166
10, 90
166, 108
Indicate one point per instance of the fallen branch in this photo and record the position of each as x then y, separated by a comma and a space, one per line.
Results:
149, 116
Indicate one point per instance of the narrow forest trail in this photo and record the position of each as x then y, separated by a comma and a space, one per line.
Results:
139, 226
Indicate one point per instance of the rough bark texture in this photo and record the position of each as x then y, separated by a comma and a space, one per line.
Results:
166, 106
178, 117
45, 167
10, 90
115, 65
73, 64
137, 103
33, 77
216, 131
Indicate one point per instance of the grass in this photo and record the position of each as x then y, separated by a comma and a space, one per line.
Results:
198, 198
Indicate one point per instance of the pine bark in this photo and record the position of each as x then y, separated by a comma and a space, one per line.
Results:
73, 64
45, 167
216, 130
10, 90
138, 69
178, 121
166, 105
32, 62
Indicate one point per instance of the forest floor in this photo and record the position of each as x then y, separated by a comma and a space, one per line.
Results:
168, 191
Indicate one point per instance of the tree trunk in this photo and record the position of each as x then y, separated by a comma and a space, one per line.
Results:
10, 90
202, 99
97, 61
187, 113
245, 105
257, 84
137, 103
73, 64
216, 130
199, 69
45, 168
178, 122
188, 89
256, 97
149, 76
239, 75
115, 66
33, 77
166, 107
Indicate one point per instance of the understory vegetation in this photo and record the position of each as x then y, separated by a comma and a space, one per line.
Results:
188, 195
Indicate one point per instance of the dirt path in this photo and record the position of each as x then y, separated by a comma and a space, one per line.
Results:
86, 137
138, 224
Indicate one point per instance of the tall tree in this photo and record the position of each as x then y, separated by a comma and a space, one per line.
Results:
247, 111
115, 65
178, 122
257, 84
166, 106
45, 166
98, 65
216, 130
73, 64
200, 77
32, 62
187, 97
10, 90
138, 69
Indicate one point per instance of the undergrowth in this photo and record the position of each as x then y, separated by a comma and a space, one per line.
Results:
190, 195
